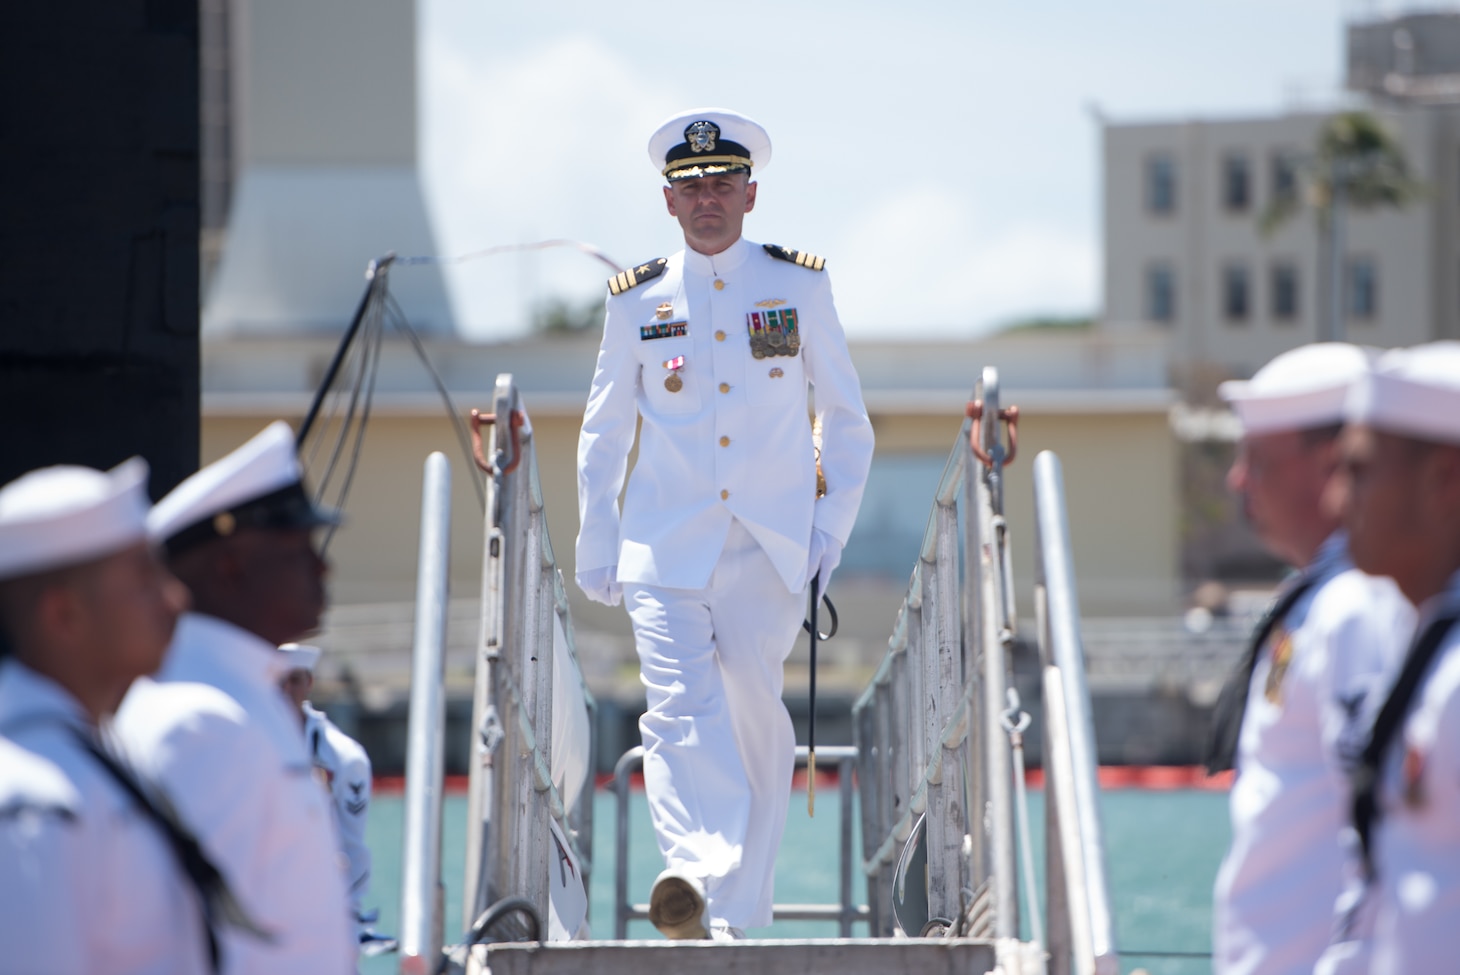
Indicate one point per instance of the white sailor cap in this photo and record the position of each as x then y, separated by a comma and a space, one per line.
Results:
299, 656
707, 142
1298, 390
259, 485
66, 515
1413, 392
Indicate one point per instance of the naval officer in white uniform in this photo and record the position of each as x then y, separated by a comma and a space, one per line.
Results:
90, 879
713, 349
215, 729
1292, 718
1399, 491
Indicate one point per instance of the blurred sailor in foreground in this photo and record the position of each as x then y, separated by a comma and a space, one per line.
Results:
1292, 716
721, 533
214, 727
1399, 493
345, 766
90, 876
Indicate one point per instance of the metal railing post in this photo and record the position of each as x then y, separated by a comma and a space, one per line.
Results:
1074, 783
421, 921
984, 490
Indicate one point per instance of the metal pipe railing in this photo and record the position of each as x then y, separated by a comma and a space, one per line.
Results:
421, 921
992, 629
928, 726
512, 795
1074, 786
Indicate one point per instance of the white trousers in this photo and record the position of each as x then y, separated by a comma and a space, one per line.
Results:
718, 745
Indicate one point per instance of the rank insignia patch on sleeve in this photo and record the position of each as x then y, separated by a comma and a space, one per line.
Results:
637, 275
799, 258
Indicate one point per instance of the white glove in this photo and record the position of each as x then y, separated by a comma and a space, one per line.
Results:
823, 556
601, 585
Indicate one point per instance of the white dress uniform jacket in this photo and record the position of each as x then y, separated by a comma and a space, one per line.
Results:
1417, 839
1304, 727
735, 440
217, 732
347, 769
88, 882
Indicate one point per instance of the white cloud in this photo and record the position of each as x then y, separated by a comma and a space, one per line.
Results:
920, 262
539, 145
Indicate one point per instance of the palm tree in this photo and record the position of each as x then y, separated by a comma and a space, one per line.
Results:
1357, 164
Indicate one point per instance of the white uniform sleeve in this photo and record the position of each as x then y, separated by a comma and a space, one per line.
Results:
216, 768
350, 791
41, 913
846, 432
1363, 644
609, 423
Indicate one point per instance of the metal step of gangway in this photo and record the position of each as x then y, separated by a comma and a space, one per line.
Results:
810, 956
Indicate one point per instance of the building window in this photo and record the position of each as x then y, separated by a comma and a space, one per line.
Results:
1236, 292
889, 534
1160, 293
1284, 292
1161, 185
1284, 178
1361, 294
1236, 183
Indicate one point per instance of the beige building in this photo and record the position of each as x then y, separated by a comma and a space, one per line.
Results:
1183, 202
1098, 401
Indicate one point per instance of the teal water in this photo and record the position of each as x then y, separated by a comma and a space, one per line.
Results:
1163, 848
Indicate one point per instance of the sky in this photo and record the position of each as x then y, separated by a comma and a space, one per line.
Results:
942, 155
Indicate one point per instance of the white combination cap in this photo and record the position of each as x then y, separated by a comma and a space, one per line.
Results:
259, 485
65, 515
299, 656
1298, 390
1413, 392
707, 142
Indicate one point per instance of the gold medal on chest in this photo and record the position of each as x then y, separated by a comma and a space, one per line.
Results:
664, 311
673, 382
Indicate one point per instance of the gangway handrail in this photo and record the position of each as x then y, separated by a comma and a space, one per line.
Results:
421, 932
512, 795
929, 725
1080, 904
937, 732
989, 596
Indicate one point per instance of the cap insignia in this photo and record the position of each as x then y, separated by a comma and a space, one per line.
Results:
224, 523
701, 136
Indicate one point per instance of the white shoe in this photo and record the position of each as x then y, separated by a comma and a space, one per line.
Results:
720, 931
677, 906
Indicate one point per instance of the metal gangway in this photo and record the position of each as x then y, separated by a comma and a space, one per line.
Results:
939, 730
938, 758
530, 804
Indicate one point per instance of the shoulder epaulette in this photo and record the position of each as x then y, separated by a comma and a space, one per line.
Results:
800, 258
635, 276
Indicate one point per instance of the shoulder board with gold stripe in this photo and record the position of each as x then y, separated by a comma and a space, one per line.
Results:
637, 275
800, 258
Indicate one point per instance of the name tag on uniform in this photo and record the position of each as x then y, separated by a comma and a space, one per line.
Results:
664, 330
773, 332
